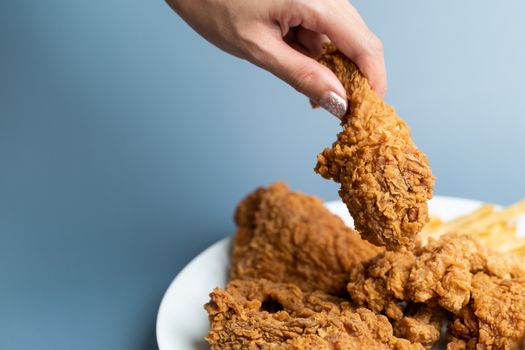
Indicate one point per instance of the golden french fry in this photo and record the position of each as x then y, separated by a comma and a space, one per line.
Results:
519, 251
498, 217
461, 223
432, 224
496, 229
513, 245
498, 237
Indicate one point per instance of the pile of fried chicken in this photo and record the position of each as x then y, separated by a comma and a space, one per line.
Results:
301, 279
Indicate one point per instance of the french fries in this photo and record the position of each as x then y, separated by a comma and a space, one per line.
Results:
497, 229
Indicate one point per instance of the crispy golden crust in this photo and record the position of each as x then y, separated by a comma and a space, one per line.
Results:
420, 323
495, 316
484, 290
265, 315
284, 236
385, 180
438, 273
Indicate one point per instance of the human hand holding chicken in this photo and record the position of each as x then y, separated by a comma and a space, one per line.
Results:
284, 36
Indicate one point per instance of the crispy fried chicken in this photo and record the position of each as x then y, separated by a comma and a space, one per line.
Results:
284, 236
419, 323
385, 180
439, 273
495, 316
259, 314
485, 291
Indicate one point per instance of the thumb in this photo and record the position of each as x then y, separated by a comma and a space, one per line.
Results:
306, 75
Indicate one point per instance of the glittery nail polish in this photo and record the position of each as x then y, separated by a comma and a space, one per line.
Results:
333, 103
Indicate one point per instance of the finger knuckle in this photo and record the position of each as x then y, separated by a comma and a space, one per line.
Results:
375, 44
311, 10
252, 45
317, 8
304, 78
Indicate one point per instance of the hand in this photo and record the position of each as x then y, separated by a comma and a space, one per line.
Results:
284, 37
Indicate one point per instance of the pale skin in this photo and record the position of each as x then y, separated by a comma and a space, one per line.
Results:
284, 37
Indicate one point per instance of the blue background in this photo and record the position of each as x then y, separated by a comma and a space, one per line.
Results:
126, 141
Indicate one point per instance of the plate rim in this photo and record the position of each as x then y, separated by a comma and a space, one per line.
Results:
227, 240
158, 325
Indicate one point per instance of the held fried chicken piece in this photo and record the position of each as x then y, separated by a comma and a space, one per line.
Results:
284, 236
385, 180
494, 318
259, 314
439, 273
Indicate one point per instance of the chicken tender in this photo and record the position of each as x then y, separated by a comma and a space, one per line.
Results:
482, 289
420, 323
439, 273
495, 316
284, 236
265, 315
385, 181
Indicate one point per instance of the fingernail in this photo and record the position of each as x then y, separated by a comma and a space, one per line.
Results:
333, 103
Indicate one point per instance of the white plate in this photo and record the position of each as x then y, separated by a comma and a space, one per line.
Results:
182, 322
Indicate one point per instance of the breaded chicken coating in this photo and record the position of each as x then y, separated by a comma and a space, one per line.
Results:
494, 317
385, 181
420, 323
455, 273
259, 314
439, 273
285, 236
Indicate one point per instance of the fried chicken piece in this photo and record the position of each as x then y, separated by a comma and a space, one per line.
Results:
385, 180
494, 317
420, 323
259, 314
284, 236
439, 273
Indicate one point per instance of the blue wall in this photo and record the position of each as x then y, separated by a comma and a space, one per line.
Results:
126, 140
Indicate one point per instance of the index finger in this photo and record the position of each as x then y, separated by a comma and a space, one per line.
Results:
340, 21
